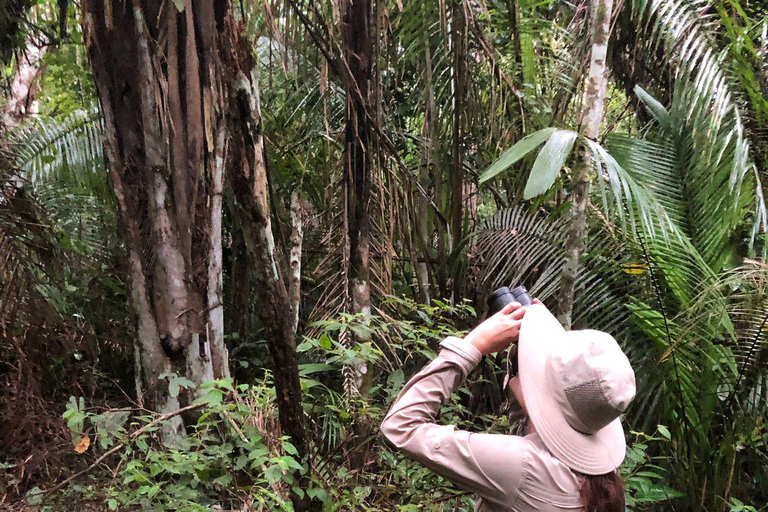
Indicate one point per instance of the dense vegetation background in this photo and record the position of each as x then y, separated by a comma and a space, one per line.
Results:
230, 231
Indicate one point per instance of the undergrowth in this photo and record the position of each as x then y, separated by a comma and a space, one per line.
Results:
234, 456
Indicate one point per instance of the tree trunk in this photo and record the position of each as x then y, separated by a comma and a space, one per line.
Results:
157, 72
297, 237
247, 170
458, 36
430, 163
21, 102
513, 12
356, 29
594, 100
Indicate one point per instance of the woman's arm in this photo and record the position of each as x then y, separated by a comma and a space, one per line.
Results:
486, 464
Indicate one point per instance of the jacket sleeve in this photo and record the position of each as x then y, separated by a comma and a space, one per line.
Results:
491, 466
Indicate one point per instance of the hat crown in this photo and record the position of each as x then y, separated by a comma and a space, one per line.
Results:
569, 379
594, 379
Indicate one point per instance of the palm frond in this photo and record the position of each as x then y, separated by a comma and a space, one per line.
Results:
705, 125
28, 245
64, 162
69, 148
515, 247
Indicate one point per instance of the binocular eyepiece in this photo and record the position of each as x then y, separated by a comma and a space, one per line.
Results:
503, 296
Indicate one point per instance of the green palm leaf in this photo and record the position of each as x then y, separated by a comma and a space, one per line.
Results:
68, 150
704, 125
516, 246
517, 152
549, 162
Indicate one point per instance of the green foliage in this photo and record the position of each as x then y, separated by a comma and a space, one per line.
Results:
67, 84
227, 457
645, 478
678, 185
549, 162
737, 506
516, 152
231, 457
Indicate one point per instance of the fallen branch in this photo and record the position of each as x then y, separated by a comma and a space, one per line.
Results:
119, 446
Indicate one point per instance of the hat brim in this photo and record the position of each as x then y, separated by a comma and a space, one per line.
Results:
541, 335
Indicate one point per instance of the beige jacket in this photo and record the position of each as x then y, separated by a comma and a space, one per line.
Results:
507, 473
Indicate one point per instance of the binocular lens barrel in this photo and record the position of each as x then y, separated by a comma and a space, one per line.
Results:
503, 296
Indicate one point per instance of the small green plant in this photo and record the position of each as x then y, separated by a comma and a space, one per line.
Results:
234, 456
645, 480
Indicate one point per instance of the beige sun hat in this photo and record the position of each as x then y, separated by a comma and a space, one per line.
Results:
575, 385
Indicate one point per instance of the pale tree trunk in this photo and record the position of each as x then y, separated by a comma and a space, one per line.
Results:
297, 237
592, 115
21, 101
158, 72
429, 162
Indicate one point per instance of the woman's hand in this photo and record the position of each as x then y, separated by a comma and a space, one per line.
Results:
498, 331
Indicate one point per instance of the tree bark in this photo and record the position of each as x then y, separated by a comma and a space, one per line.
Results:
592, 115
356, 32
297, 237
430, 163
247, 170
458, 36
21, 102
157, 74
513, 11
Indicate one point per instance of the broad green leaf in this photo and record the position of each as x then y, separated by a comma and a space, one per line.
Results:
173, 388
274, 473
516, 152
212, 397
325, 342
548, 163
319, 493
288, 447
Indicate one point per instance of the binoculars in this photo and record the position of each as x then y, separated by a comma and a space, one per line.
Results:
503, 296
496, 302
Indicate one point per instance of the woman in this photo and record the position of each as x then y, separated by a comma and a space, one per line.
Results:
573, 386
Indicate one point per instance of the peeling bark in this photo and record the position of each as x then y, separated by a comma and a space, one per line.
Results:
592, 116
165, 151
219, 353
21, 102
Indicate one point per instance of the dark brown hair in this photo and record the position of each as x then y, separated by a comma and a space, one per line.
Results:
603, 493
